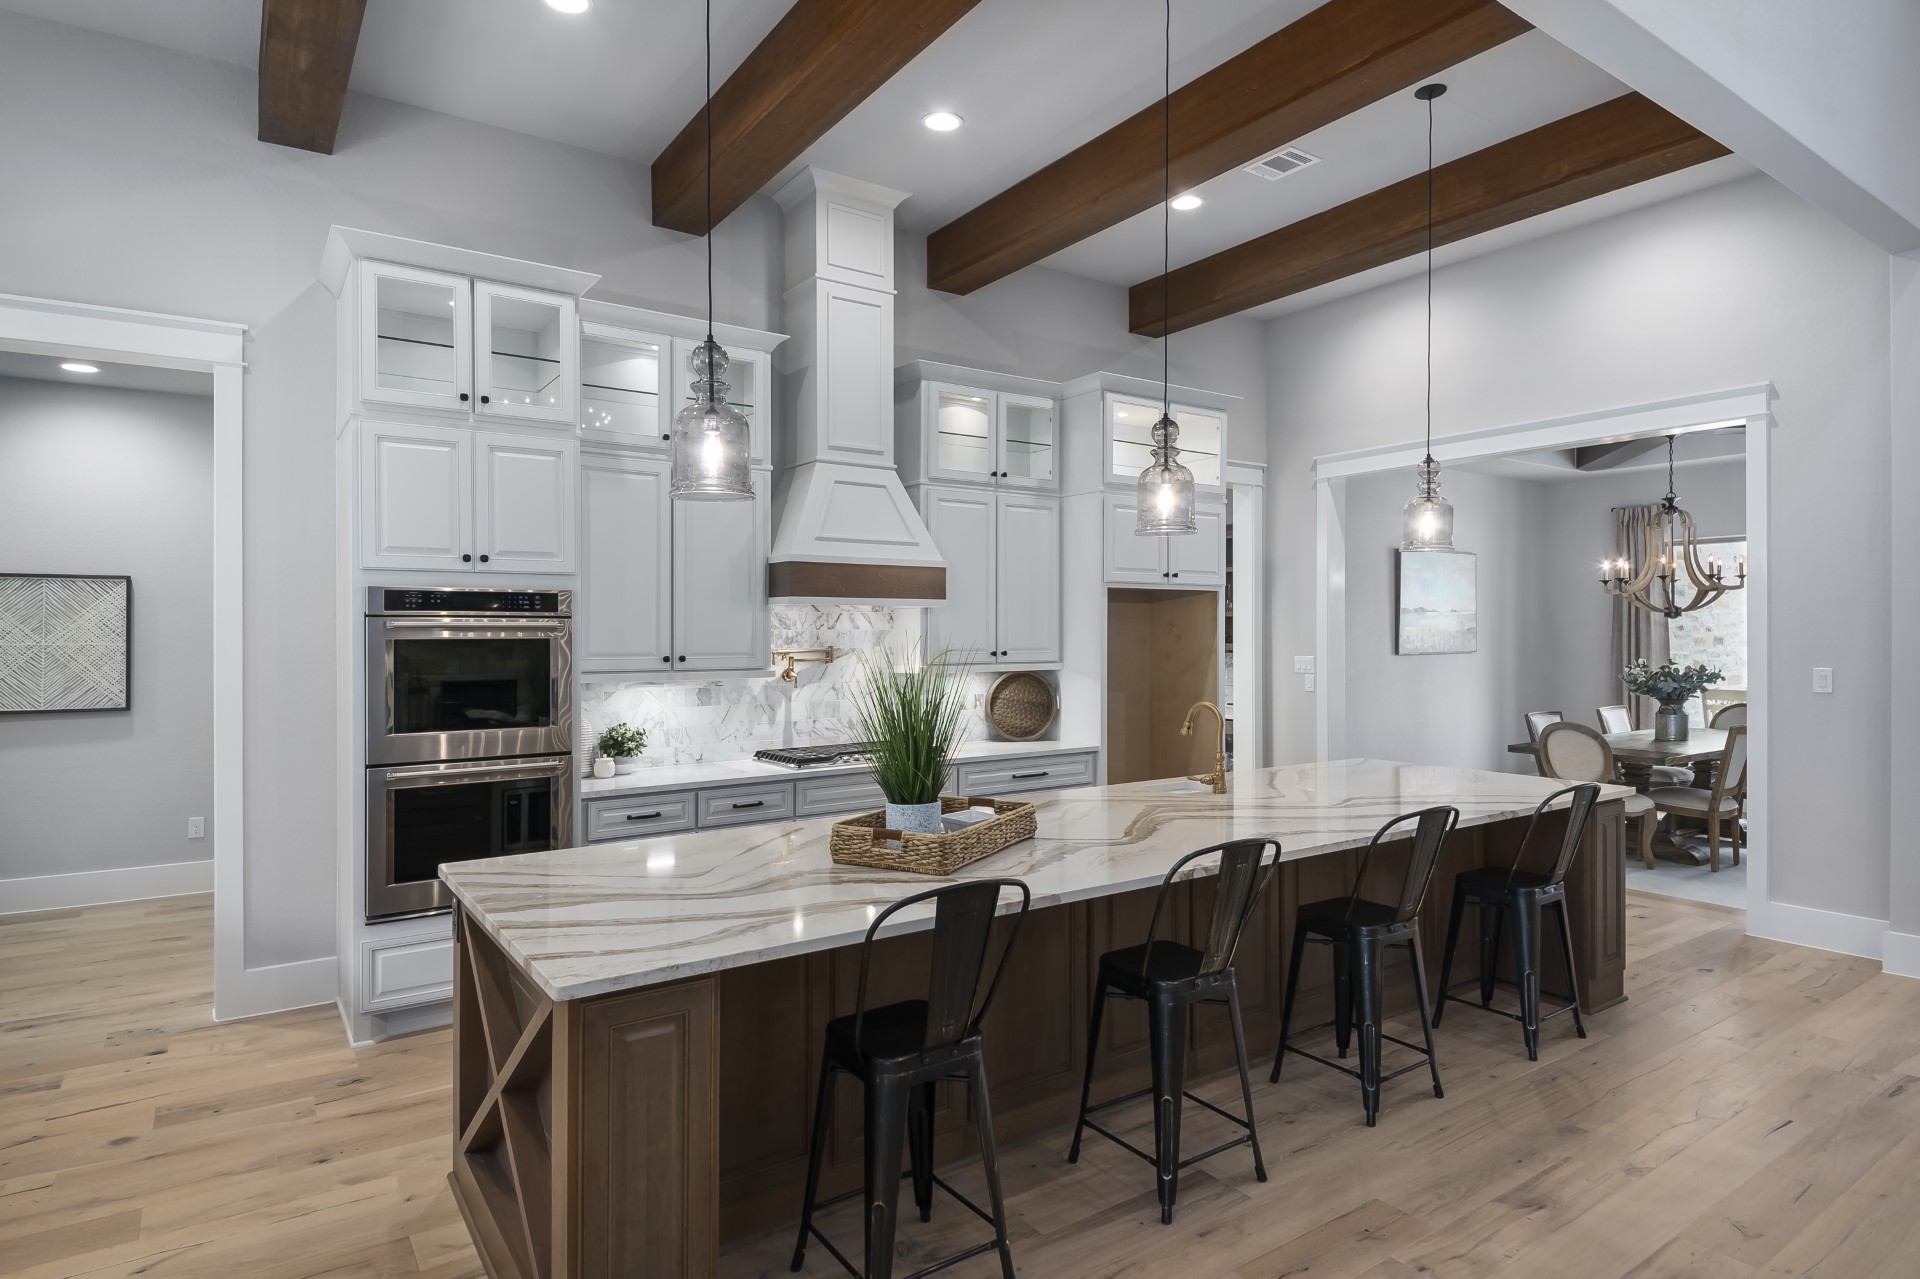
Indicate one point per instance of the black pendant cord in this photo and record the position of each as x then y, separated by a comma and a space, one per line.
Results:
1429, 286
1672, 497
1166, 222
709, 178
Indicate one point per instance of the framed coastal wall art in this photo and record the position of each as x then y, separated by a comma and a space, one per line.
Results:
66, 643
1436, 604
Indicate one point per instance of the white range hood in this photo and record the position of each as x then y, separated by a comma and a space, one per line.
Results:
845, 530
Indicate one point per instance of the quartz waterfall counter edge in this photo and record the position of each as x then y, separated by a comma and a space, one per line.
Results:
583, 922
637, 1025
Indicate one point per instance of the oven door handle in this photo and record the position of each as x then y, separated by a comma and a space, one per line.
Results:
545, 624
479, 771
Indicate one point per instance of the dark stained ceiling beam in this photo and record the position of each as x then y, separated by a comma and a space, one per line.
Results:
1616, 144
306, 58
1335, 60
820, 61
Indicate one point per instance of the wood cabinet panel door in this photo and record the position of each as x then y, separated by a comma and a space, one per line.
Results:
626, 568
1027, 603
962, 523
524, 504
720, 582
1132, 559
416, 497
1200, 559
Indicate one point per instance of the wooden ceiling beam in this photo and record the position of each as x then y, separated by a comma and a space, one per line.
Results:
306, 58
820, 61
1335, 60
1605, 148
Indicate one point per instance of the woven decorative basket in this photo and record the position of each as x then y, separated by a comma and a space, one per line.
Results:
1021, 705
864, 840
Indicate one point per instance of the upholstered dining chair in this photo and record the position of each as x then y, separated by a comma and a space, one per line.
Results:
1537, 720
1575, 753
1725, 802
1617, 719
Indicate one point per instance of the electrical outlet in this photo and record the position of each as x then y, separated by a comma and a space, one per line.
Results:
1823, 679
196, 828
1303, 666
1307, 680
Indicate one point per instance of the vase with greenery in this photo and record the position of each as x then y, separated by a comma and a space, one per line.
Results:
1673, 686
622, 744
911, 721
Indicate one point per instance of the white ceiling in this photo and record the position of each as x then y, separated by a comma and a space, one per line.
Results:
1718, 446
126, 377
1032, 81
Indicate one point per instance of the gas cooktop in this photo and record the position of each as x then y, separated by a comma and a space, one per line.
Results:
813, 756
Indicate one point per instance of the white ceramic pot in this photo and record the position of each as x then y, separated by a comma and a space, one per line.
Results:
921, 819
623, 766
603, 767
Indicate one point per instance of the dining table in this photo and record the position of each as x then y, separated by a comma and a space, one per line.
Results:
1638, 752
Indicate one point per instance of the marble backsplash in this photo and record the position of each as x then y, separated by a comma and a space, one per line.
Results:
729, 717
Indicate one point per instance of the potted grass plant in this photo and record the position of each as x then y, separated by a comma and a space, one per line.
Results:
1672, 686
911, 720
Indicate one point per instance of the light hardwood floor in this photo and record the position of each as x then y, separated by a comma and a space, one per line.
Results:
1750, 1111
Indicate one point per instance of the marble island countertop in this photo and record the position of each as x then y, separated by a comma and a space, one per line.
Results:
665, 777
588, 921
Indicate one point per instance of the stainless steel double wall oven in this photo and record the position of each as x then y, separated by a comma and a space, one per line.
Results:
469, 728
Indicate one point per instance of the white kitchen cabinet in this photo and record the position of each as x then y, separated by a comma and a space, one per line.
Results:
523, 507
749, 379
1003, 575
962, 522
625, 386
416, 492
457, 500
720, 581
1027, 593
526, 340
415, 338
1196, 560
952, 433
625, 605
1130, 421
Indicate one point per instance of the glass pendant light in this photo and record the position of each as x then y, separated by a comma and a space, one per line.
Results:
712, 440
1164, 506
1429, 517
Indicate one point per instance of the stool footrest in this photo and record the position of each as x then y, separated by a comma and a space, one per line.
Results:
939, 1181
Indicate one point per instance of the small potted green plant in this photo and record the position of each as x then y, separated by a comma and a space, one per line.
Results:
1673, 687
911, 720
622, 744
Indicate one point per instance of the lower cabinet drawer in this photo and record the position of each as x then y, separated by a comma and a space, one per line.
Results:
824, 795
997, 778
638, 816
398, 974
743, 805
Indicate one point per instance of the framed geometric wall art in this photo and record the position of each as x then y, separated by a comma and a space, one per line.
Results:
1436, 603
66, 643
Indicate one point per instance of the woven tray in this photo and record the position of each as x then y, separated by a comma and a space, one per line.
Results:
864, 840
1021, 706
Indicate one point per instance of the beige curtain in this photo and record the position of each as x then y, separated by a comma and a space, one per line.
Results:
1637, 633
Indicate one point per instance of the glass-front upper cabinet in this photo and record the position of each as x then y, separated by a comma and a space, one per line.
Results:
1027, 441
749, 379
1130, 422
527, 341
620, 385
415, 337
962, 434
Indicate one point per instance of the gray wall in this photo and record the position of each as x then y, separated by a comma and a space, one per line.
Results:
1738, 284
96, 480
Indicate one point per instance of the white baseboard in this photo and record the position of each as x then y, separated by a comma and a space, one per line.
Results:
1902, 955
1822, 929
279, 987
99, 887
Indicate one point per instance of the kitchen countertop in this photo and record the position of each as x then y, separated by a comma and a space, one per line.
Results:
587, 921
665, 777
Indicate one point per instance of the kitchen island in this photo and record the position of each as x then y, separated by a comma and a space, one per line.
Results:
637, 1025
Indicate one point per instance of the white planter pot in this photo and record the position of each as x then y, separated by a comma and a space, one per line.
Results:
623, 766
921, 819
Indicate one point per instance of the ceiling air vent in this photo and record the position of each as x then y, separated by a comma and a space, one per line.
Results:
1282, 162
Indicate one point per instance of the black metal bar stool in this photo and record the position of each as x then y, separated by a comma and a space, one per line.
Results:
1527, 896
899, 1052
1171, 978
1359, 931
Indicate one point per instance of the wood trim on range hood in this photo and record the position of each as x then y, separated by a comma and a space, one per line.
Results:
907, 584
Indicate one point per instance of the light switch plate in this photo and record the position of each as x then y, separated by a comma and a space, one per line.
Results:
1823, 679
1303, 665
1308, 681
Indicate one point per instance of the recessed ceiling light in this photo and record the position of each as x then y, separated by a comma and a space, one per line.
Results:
1187, 201
941, 121
569, 6
74, 366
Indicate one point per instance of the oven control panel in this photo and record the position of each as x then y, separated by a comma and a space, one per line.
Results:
468, 601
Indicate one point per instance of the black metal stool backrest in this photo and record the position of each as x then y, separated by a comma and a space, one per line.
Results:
1579, 809
963, 916
1435, 824
1244, 872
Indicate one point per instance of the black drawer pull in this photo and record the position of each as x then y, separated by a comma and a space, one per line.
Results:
1021, 777
643, 817
751, 803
